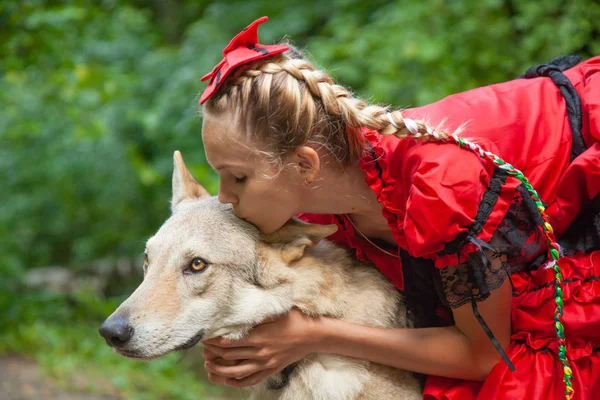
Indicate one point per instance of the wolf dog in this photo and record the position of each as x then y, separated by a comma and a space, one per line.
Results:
208, 273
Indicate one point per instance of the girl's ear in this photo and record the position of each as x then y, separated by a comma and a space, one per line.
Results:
307, 162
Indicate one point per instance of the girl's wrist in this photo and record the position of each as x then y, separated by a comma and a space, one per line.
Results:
318, 335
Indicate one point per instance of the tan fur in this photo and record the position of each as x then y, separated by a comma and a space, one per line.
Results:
251, 278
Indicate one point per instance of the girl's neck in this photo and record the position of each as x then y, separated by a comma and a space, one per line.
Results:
341, 191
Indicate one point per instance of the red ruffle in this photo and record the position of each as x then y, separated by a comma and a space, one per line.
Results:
512, 120
533, 349
504, 200
375, 164
406, 201
390, 267
514, 116
446, 186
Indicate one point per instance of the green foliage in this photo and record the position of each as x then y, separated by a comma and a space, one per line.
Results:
96, 98
96, 95
61, 333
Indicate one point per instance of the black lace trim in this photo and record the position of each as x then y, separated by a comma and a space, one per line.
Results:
518, 242
486, 206
518, 236
489, 200
473, 279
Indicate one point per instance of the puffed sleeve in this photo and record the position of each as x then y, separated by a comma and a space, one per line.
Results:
462, 210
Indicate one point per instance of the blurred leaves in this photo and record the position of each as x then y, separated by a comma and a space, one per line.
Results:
96, 95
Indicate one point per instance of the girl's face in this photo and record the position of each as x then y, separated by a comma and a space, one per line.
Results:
258, 192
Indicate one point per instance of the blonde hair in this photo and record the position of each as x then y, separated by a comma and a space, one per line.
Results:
286, 102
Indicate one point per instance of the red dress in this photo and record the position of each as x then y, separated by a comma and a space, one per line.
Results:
440, 201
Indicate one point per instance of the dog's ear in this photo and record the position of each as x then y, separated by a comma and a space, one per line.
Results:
296, 235
184, 184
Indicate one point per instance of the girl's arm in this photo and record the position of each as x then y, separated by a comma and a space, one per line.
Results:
462, 351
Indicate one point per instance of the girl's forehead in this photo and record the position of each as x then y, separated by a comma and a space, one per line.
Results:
226, 145
224, 129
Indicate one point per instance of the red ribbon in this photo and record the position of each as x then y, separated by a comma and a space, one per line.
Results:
243, 49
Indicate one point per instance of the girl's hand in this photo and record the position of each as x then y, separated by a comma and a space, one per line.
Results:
265, 351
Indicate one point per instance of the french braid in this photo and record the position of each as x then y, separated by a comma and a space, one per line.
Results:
287, 102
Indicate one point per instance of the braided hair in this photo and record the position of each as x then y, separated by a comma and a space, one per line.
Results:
286, 102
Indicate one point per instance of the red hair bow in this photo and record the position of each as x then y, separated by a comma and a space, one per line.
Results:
242, 49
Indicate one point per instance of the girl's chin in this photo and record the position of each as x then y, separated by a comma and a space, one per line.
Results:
267, 228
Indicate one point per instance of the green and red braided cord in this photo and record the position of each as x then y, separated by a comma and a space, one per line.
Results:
553, 249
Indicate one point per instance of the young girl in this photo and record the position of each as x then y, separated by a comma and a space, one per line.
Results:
460, 232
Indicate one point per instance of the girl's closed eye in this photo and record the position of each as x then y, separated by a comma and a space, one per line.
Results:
240, 179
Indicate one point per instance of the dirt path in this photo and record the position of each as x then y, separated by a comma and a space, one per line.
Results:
21, 379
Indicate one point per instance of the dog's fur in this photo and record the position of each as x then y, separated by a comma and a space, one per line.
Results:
250, 278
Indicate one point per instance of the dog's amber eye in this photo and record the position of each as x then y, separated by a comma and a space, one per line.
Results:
146, 264
198, 265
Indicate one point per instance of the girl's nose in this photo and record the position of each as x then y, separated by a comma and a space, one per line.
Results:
226, 197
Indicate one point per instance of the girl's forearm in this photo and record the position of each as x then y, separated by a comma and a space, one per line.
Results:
443, 351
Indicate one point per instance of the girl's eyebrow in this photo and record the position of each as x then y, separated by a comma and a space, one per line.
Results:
224, 166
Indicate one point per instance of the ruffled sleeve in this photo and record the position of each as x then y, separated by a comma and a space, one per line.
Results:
462, 211
458, 206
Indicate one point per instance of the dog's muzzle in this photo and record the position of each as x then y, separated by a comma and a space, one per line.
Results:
116, 331
192, 341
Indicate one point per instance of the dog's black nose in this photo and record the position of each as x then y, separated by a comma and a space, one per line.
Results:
117, 331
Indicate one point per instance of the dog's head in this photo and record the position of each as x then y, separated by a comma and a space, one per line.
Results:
207, 273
